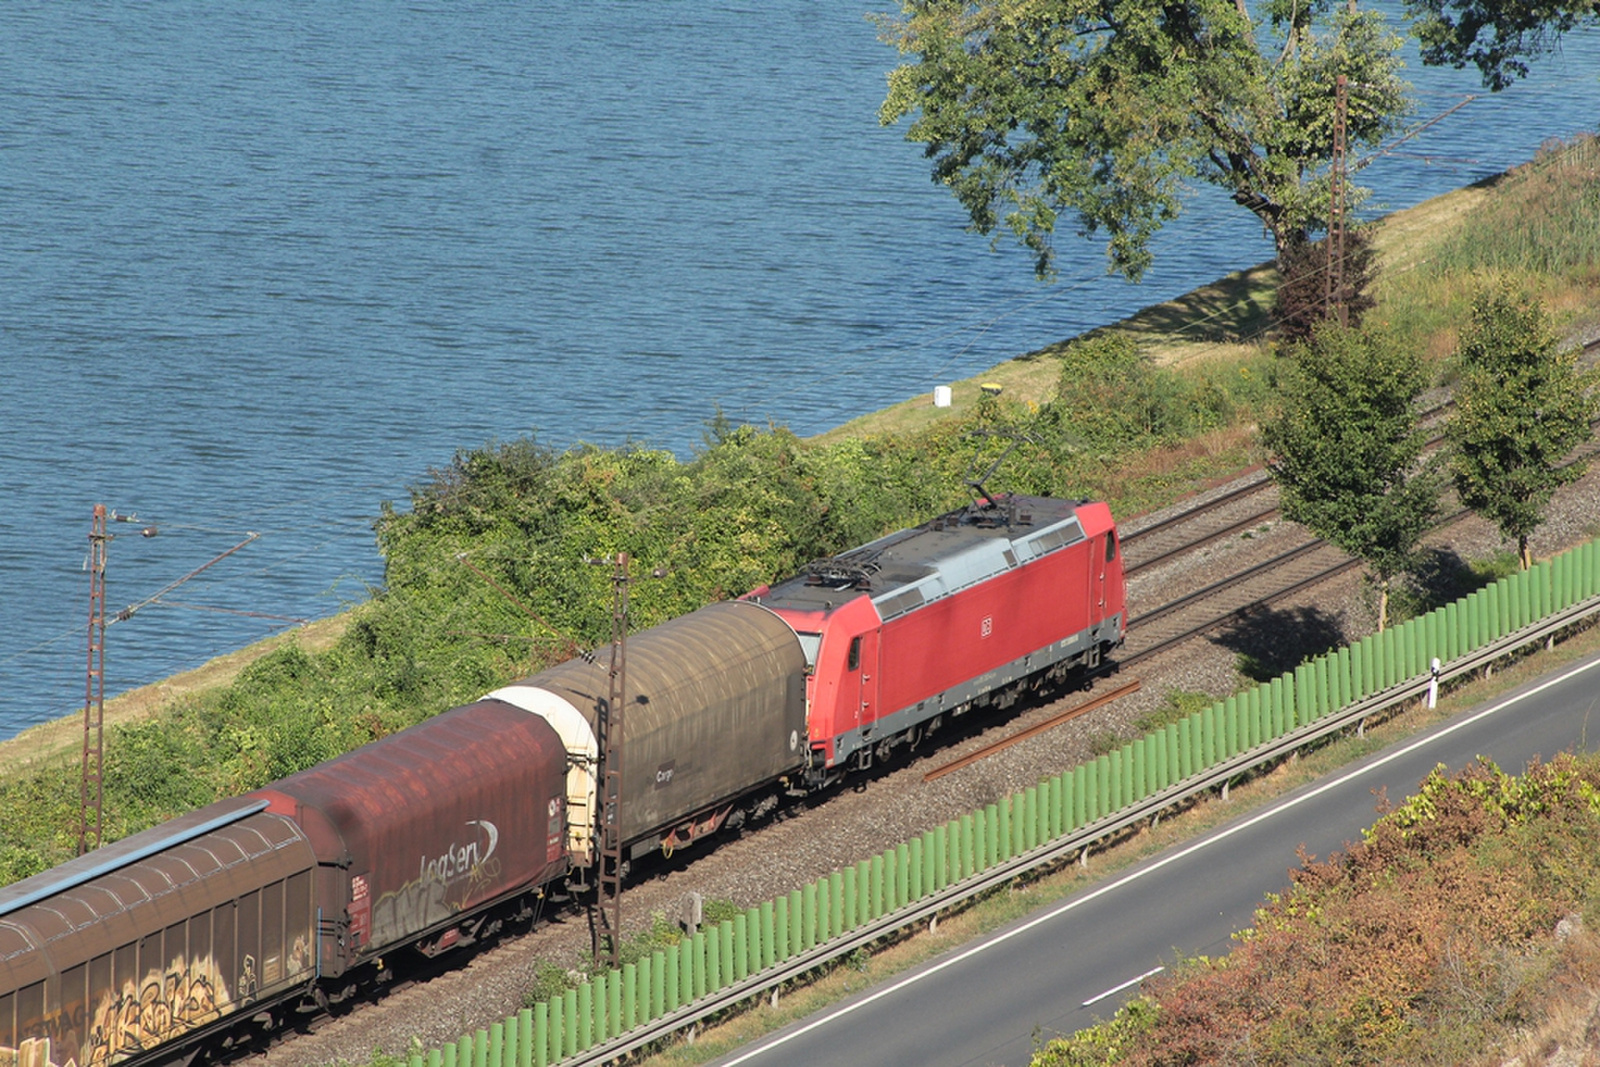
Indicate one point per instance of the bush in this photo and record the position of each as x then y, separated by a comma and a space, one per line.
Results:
140, 785
1302, 297
1112, 401
549, 981
1432, 940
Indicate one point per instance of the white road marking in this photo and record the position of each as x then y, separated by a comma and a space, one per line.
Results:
1111, 887
1114, 990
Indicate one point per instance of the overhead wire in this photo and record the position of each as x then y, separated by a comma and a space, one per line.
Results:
158, 598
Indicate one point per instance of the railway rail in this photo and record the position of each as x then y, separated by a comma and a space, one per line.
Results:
1032, 731
1166, 540
1232, 597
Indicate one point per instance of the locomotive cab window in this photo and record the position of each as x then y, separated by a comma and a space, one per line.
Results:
809, 644
1111, 547
855, 654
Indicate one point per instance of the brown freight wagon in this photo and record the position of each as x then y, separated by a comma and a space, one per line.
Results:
417, 834
160, 936
714, 709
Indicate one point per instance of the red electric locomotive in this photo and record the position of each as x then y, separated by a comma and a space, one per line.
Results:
793, 685
961, 612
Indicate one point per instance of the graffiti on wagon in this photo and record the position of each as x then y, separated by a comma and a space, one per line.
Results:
445, 881
138, 1015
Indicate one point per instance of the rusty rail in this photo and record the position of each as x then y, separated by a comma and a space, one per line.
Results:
1038, 728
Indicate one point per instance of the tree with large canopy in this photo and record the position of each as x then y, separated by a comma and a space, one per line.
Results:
1110, 112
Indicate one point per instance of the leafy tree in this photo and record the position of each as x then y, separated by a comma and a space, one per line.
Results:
1521, 406
1345, 448
1495, 35
1302, 297
1108, 110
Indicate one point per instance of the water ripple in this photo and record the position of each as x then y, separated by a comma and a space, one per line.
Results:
267, 265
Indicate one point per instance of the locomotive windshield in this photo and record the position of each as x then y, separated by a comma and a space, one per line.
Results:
809, 643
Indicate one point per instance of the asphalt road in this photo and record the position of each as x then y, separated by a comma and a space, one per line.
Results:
991, 1002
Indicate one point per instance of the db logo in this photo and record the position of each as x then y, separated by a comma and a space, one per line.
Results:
986, 627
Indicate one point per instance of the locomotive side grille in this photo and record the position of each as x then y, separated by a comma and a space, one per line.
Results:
900, 603
1068, 533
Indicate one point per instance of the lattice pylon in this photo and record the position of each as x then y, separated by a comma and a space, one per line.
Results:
91, 790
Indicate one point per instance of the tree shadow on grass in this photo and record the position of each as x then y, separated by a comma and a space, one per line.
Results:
1270, 641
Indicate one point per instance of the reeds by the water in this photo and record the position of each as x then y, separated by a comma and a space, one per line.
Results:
1543, 220
1538, 228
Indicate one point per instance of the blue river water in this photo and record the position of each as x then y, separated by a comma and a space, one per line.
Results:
266, 264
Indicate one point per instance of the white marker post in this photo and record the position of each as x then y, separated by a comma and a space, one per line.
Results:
1433, 684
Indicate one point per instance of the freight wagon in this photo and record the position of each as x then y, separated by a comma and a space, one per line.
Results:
167, 933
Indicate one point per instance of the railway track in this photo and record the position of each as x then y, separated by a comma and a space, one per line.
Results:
1233, 512
1245, 507
1032, 731
1231, 597
1228, 599
1196, 614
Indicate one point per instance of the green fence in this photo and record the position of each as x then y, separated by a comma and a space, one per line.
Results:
717, 957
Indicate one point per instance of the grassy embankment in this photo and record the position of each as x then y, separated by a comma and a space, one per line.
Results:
1155, 406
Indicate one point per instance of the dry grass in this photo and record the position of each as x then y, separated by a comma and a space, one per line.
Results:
1028, 379
1146, 481
1568, 1030
1408, 239
1228, 318
1533, 227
